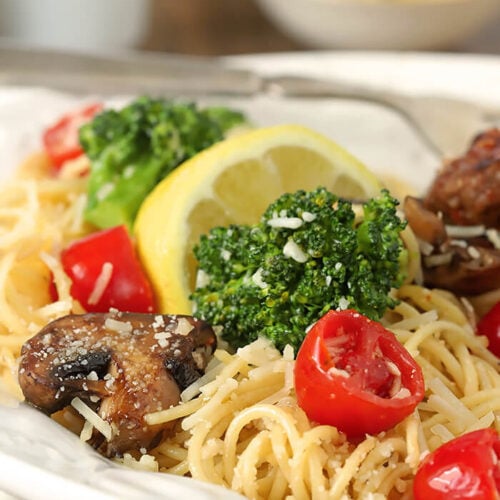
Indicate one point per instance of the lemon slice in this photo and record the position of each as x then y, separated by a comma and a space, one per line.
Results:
233, 182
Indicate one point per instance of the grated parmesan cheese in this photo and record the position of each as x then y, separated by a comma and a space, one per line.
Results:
118, 326
86, 432
293, 251
338, 372
202, 279
465, 231
225, 254
257, 279
493, 236
308, 216
128, 171
146, 463
91, 416
343, 304
438, 260
285, 222
401, 394
473, 252
101, 283
425, 247
183, 327
288, 354
105, 191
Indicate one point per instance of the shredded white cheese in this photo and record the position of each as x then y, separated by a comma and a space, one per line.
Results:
118, 326
101, 283
105, 190
438, 260
285, 222
146, 463
308, 216
293, 251
402, 393
128, 171
425, 247
473, 252
343, 304
465, 231
202, 279
86, 432
91, 416
257, 279
183, 327
338, 372
494, 236
225, 254
459, 243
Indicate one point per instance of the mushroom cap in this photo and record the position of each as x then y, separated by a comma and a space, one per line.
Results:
125, 365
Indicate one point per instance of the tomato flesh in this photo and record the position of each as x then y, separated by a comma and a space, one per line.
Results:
352, 373
370, 372
489, 325
127, 289
61, 141
466, 467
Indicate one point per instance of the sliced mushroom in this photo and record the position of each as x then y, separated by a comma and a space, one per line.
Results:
470, 265
465, 273
426, 225
124, 365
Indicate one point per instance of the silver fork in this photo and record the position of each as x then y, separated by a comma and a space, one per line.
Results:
446, 125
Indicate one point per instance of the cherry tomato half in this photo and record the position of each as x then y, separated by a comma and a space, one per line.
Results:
61, 140
354, 374
106, 273
466, 467
490, 327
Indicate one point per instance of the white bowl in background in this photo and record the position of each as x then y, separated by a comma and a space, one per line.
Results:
381, 24
88, 25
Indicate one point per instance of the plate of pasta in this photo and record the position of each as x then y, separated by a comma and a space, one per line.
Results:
249, 297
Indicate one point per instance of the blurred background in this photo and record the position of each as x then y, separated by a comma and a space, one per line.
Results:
227, 27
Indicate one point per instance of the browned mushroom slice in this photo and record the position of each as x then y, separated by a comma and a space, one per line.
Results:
124, 365
467, 270
456, 258
426, 225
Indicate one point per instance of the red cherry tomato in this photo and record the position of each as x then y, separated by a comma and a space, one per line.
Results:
106, 273
353, 374
490, 327
466, 467
61, 139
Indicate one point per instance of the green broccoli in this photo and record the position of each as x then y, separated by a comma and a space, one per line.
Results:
308, 254
133, 149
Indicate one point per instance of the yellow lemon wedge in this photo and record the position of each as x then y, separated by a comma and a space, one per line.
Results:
234, 181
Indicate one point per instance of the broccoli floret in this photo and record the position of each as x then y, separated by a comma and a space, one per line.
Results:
133, 149
308, 254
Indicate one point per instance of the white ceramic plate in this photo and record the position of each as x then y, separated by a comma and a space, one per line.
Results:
39, 459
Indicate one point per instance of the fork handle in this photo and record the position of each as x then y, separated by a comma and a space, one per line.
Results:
306, 87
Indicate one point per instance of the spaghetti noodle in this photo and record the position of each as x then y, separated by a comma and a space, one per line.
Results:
239, 426
246, 431
38, 216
